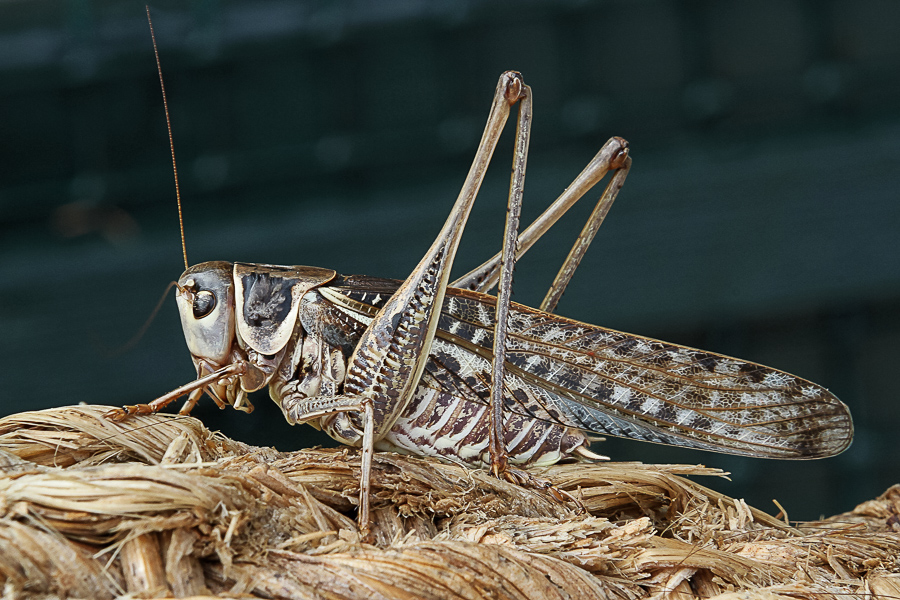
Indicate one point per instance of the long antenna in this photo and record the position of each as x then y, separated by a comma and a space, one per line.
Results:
171, 142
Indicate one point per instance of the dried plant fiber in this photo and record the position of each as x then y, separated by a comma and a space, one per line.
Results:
159, 506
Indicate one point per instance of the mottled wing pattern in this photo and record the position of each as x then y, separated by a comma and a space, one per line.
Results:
619, 384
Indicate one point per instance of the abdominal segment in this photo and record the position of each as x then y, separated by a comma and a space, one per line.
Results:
445, 426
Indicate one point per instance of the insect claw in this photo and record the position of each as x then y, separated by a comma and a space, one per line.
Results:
564, 496
117, 414
500, 467
527, 480
127, 411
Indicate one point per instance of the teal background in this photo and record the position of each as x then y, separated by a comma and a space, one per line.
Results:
760, 218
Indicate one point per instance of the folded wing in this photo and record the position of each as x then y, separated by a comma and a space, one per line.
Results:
619, 384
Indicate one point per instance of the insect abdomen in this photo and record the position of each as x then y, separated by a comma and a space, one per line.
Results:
449, 427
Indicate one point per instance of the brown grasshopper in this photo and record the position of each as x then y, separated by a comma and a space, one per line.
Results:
429, 367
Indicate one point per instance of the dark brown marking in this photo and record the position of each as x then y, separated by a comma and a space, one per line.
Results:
708, 362
625, 347
752, 372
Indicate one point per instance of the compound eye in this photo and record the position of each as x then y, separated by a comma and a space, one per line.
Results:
204, 303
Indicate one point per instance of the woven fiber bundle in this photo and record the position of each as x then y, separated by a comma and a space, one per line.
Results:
159, 506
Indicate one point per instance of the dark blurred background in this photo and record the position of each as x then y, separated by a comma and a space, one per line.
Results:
760, 218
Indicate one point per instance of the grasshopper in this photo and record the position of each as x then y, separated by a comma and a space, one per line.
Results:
431, 367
